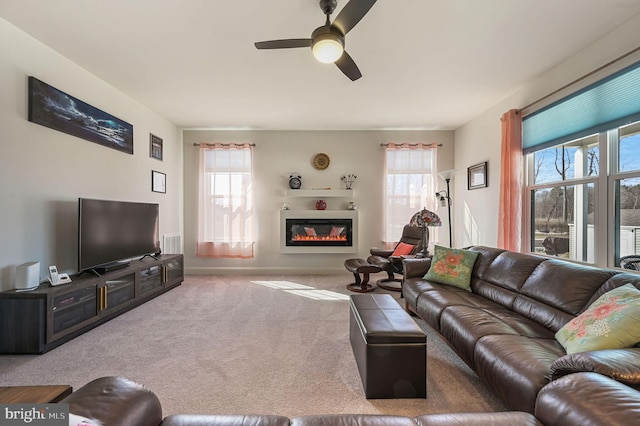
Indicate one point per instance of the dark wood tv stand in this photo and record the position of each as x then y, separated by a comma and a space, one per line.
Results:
40, 320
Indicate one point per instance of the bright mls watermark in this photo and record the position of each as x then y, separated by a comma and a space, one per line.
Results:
34, 414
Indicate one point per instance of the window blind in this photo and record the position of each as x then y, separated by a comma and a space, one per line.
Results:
611, 102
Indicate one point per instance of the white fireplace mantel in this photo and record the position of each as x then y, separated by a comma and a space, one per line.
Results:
318, 214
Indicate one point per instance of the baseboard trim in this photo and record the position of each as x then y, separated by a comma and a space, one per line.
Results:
274, 270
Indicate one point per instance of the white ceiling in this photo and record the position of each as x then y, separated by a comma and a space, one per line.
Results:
426, 64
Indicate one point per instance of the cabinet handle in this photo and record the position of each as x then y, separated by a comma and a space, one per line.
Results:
103, 298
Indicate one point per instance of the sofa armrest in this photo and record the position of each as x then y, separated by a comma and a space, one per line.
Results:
587, 399
622, 365
381, 252
116, 401
417, 267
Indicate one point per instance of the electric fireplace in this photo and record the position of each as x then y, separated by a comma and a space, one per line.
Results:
319, 232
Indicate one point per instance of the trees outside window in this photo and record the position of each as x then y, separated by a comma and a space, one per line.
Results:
576, 211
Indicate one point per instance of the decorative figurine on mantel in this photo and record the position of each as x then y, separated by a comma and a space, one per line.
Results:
295, 181
348, 180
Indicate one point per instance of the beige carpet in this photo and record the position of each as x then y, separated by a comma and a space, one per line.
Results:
247, 344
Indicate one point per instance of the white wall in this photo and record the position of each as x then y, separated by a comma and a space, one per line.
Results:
43, 172
276, 155
479, 140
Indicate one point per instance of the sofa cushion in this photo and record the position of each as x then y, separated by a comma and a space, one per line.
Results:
515, 367
563, 285
505, 418
520, 266
464, 326
452, 267
352, 420
224, 420
434, 298
611, 322
558, 290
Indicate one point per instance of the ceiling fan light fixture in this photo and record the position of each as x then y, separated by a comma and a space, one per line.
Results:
327, 48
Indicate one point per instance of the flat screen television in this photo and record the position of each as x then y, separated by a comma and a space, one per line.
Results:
110, 232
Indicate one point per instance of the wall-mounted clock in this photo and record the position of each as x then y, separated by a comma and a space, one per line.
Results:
295, 181
321, 161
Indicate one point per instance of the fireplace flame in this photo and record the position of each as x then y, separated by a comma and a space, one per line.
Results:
300, 237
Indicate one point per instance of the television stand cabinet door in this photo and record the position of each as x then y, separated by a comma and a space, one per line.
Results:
40, 320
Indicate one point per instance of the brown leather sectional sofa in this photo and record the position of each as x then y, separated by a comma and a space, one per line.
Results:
580, 399
504, 329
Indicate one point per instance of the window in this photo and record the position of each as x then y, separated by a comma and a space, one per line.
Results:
409, 185
563, 184
583, 172
626, 186
225, 216
577, 211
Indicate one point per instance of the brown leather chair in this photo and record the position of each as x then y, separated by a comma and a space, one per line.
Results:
392, 265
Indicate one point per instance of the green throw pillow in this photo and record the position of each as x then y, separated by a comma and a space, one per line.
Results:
452, 267
611, 322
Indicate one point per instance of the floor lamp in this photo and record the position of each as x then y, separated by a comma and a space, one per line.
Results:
444, 197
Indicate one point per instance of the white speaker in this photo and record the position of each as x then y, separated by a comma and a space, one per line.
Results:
28, 275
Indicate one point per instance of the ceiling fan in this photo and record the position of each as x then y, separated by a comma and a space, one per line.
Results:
327, 41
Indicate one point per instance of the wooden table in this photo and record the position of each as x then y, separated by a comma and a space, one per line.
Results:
34, 394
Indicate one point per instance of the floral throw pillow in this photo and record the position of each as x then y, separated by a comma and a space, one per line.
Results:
452, 267
611, 322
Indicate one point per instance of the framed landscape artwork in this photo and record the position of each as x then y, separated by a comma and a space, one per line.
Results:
477, 176
57, 110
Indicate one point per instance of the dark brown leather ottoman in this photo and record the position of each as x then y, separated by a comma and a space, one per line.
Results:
389, 347
360, 266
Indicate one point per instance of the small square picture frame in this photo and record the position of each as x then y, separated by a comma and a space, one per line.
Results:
477, 176
158, 182
155, 147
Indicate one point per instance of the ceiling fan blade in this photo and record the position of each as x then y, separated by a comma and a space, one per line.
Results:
348, 67
351, 14
284, 44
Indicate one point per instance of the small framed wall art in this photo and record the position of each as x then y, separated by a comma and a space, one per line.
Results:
477, 176
158, 182
155, 147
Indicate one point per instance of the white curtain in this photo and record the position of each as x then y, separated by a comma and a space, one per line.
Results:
225, 212
410, 186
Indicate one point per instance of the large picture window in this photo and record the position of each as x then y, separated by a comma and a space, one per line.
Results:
583, 207
583, 172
